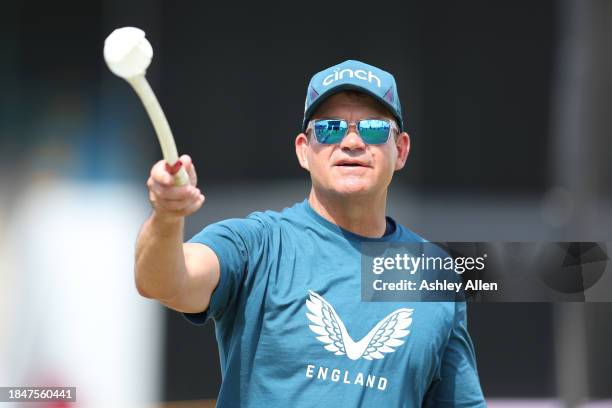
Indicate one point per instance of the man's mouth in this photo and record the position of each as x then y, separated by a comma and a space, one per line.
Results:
350, 163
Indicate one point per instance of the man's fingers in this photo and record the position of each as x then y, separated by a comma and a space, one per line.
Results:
183, 207
168, 198
189, 168
176, 207
160, 175
174, 192
186, 160
195, 206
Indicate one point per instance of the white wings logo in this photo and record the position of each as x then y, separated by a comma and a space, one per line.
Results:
383, 338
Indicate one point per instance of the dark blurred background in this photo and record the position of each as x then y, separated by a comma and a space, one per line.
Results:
507, 104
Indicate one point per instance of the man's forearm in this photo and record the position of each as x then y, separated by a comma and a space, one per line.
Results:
160, 264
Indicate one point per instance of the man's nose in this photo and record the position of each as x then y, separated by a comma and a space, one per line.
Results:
352, 140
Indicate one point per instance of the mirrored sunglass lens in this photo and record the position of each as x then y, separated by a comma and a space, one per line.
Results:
374, 131
330, 131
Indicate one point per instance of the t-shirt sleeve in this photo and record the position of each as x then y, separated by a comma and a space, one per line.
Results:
232, 241
458, 385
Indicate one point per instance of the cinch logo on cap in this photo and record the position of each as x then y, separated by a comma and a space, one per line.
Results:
358, 73
357, 76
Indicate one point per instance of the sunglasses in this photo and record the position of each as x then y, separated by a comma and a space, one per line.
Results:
332, 131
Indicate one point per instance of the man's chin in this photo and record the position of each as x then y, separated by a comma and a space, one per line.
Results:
352, 190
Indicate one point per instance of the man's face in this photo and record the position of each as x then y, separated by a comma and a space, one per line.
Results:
352, 168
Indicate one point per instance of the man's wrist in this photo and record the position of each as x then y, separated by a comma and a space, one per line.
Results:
166, 220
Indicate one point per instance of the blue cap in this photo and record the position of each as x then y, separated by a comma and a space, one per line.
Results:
353, 75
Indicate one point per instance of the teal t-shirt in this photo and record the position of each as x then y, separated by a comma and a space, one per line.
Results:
291, 327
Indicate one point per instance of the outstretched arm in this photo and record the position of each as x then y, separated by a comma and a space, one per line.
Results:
181, 276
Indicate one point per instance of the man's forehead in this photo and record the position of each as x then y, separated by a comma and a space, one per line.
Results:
351, 100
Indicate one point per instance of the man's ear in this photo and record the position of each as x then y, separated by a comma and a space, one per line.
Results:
402, 144
301, 147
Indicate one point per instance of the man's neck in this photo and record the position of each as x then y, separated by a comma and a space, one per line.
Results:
359, 215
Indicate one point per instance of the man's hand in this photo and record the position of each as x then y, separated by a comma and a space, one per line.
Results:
181, 276
170, 201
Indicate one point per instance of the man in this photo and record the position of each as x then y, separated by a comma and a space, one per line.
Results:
284, 288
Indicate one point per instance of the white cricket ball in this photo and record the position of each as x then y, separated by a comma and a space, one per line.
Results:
127, 52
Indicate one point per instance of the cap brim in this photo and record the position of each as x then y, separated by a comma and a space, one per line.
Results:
346, 87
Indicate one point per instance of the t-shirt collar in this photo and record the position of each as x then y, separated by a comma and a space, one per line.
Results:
391, 233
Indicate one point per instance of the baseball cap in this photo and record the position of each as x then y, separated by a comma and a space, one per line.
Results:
353, 75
